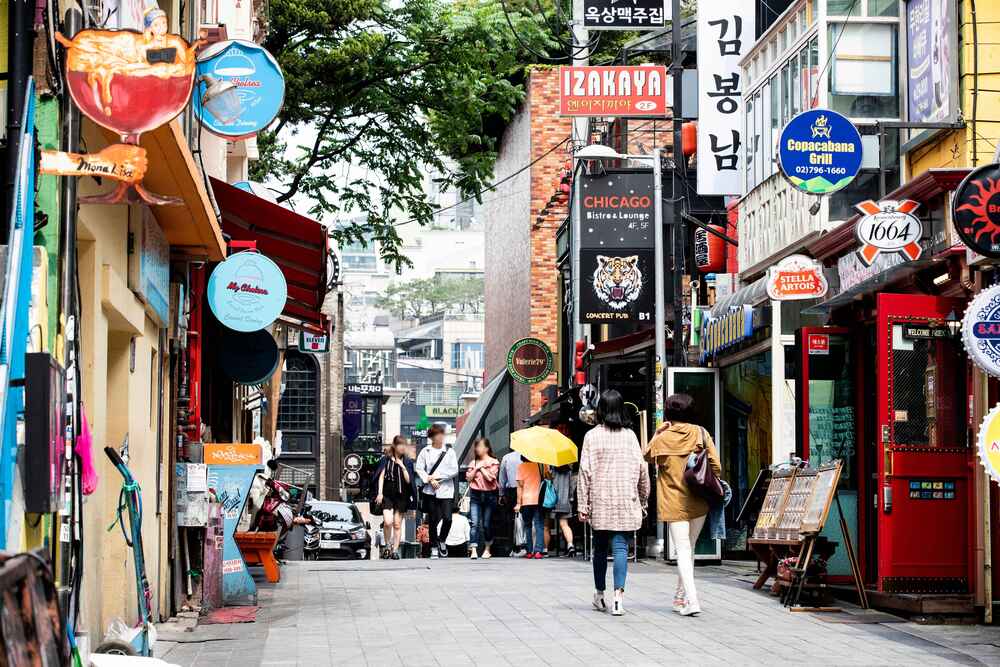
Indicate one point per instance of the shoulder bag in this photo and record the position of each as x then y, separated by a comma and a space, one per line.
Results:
699, 476
425, 498
548, 494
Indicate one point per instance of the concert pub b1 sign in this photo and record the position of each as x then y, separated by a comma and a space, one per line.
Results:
529, 361
976, 210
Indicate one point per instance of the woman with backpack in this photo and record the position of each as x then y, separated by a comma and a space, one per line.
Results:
484, 491
683, 511
612, 490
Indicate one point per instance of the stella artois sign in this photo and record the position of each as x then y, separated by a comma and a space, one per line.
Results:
889, 227
639, 90
796, 277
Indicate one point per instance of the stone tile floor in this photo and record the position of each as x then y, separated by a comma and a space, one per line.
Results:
519, 613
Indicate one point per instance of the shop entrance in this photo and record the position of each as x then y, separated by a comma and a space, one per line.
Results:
921, 502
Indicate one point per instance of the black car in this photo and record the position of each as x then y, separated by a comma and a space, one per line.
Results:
342, 534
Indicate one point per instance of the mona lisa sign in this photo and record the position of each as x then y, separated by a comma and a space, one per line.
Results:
247, 292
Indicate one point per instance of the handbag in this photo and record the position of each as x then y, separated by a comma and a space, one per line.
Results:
465, 504
548, 494
699, 476
425, 498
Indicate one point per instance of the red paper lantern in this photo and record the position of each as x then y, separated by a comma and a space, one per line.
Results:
709, 250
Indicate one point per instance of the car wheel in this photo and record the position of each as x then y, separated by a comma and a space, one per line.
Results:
116, 648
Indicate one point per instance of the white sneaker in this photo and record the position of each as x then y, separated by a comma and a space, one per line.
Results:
486, 552
434, 554
618, 602
599, 603
473, 553
690, 609
679, 601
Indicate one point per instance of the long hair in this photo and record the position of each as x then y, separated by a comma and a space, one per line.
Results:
485, 441
678, 408
611, 411
397, 442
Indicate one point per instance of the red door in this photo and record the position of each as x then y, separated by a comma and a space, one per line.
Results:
924, 463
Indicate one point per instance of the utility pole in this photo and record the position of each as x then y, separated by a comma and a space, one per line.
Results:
581, 126
676, 233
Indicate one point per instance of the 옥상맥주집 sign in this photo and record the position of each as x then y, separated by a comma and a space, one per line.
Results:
247, 292
625, 14
627, 90
819, 151
260, 88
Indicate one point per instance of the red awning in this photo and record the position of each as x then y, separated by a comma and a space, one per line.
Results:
296, 243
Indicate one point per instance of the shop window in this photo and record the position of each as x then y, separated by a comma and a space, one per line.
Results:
883, 7
842, 7
298, 406
813, 72
758, 146
928, 391
863, 76
786, 98
775, 115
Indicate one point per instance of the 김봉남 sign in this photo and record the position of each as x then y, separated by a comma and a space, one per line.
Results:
529, 361
627, 90
976, 210
819, 151
259, 83
617, 285
981, 330
617, 211
888, 227
726, 33
796, 277
247, 292
625, 14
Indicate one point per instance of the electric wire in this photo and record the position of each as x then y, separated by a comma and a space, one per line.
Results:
833, 52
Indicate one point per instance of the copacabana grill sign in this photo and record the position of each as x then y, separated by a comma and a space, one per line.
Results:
613, 91
819, 151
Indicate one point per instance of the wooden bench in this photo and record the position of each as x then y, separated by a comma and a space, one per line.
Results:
258, 549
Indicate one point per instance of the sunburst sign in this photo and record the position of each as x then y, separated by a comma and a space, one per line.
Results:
976, 210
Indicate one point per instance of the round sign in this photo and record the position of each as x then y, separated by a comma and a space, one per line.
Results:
989, 443
529, 361
260, 89
981, 330
819, 151
353, 462
888, 227
976, 210
247, 291
352, 477
248, 358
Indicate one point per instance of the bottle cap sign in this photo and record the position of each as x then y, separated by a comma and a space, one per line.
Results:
981, 330
888, 227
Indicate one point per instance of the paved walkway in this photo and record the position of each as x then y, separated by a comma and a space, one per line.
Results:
519, 613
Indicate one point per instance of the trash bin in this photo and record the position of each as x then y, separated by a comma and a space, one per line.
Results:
295, 543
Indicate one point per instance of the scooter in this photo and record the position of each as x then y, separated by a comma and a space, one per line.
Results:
311, 538
130, 500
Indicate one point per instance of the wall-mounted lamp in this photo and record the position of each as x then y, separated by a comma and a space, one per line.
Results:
954, 324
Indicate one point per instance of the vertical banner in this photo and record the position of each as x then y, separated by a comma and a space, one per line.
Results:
726, 31
931, 67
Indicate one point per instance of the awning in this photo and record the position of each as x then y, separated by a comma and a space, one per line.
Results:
475, 421
623, 346
296, 243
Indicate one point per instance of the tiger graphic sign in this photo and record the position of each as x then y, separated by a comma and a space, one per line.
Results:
619, 289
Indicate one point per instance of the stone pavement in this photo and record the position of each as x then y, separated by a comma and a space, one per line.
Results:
521, 613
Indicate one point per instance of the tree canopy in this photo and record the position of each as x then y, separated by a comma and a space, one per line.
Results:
425, 296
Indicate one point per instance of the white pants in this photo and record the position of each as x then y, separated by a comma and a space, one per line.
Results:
684, 535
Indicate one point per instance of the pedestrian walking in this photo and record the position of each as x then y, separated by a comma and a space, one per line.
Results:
683, 511
612, 490
482, 476
529, 486
395, 490
562, 482
508, 498
437, 467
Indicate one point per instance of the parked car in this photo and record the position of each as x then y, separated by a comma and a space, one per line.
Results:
342, 533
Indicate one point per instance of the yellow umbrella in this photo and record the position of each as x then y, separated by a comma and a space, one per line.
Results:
544, 445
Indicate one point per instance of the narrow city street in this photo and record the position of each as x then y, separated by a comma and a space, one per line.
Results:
511, 612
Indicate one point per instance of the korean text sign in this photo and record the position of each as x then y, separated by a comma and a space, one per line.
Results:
633, 15
613, 91
725, 34
931, 65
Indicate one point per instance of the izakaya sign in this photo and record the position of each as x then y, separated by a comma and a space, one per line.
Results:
639, 90
976, 210
617, 211
888, 227
989, 443
725, 34
247, 292
819, 151
796, 277
260, 88
625, 14
529, 361
981, 330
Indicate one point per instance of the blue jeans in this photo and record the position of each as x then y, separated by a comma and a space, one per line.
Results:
619, 547
534, 527
481, 506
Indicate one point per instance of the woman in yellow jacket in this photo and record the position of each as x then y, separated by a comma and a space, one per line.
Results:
683, 511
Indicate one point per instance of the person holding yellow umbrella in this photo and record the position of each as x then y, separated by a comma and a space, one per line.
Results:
539, 447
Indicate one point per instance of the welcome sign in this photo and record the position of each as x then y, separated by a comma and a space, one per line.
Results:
247, 292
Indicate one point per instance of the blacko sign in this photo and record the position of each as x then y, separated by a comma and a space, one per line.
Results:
819, 151
889, 227
976, 210
529, 361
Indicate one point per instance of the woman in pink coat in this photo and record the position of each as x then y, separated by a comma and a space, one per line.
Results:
612, 491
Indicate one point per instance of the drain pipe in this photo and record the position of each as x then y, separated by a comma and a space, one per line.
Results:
20, 46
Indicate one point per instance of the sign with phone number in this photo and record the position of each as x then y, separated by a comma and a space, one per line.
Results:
819, 151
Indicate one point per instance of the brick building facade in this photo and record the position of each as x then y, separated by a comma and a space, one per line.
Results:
522, 281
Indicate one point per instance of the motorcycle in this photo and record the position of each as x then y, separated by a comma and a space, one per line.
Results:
311, 539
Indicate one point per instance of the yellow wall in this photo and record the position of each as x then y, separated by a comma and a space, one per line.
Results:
117, 402
955, 149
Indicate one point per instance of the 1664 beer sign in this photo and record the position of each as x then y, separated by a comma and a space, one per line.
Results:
981, 330
888, 227
796, 277
639, 90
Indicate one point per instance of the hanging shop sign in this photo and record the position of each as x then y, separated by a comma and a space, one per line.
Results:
989, 443
888, 227
368, 388
819, 151
625, 14
232, 453
313, 342
709, 250
630, 90
726, 32
976, 210
932, 68
796, 277
981, 330
529, 361
248, 357
728, 329
452, 411
617, 286
247, 292
130, 83
240, 89
617, 211
149, 265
